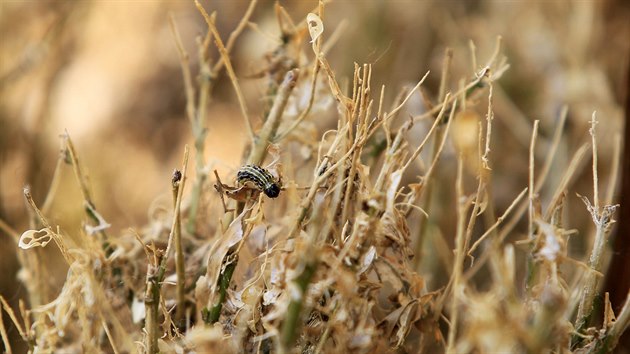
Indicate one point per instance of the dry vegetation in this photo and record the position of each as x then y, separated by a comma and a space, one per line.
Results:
412, 218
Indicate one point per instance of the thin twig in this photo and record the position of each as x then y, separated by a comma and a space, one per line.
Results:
434, 126
311, 100
602, 217
498, 222
268, 131
109, 335
438, 146
55, 236
595, 177
614, 170
532, 149
234, 35
179, 252
489, 117
456, 278
445, 76
4, 335
567, 177
195, 116
188, 85
618, 328
176, 215
6, 228
89, 206
54, 184
156, 270
228, 66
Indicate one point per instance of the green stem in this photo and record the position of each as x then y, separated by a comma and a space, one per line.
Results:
291, 323
212, 316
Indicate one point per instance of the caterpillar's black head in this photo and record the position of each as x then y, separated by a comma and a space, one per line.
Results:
272, 190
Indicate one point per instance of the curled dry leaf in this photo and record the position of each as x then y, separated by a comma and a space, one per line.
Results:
35, 238
206, 286
315, 26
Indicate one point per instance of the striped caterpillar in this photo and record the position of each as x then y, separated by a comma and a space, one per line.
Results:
260, 178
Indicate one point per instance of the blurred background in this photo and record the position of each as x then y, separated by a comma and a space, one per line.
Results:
108, 74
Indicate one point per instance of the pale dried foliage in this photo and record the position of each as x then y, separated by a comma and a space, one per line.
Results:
337, 263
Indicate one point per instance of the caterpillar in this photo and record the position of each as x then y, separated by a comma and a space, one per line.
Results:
260, 178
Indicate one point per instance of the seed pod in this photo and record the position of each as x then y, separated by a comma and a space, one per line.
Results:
260, 178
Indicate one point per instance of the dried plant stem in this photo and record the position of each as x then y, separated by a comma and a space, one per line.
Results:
361, 110
152, 303
471, 85
614, 170
440, 139
323, 339
316, 66
157, 270
324, 172
531, 266
602, 217
83, 185
420, 147
6, 228
489, 117
176, 216
179, 255
446, 74
542, 177
90, 208
576, 164
483, 176
551, 152
603, 221
462, 203
207, 79
55, 236
54, 184
108, 334
306, 111
395, 111
594, 165
234, 35
187, 76
225, 56
307, 265
268, 131
195, 117
532, 195
473, 54
5, 336
570, 173
475, 84
497, 223
13, 317
609, 342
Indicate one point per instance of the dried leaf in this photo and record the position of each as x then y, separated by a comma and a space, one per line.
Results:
366, 260
35, 238
315, 26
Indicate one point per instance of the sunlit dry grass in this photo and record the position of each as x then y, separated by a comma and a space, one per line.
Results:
390, 234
